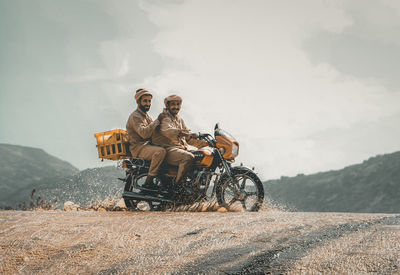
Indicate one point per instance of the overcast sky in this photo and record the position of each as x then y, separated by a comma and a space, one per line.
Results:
305, 86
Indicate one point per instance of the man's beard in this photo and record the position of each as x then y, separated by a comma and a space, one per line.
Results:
144, 108
174, 111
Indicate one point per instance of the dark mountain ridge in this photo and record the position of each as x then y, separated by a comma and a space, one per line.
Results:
22, 167
372, 186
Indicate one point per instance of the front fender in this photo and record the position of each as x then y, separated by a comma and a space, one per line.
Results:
233, 171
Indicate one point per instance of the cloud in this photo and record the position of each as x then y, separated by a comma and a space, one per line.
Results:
258, 67
68, 70
243, 64
368, 48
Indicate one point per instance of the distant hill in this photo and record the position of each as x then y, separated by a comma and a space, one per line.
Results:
372, 186
22, 167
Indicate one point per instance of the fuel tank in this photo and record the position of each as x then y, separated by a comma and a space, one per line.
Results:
203, 157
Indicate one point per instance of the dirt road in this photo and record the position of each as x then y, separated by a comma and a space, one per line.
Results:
54, 242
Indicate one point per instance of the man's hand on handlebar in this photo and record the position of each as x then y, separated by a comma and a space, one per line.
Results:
189, 135
184, 134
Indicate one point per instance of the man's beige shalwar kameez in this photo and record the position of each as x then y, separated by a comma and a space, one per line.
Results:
170, 137
140, 128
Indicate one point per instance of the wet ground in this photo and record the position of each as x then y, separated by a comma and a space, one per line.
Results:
267, 242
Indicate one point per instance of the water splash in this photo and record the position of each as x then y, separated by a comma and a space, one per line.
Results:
209, 206
113, 203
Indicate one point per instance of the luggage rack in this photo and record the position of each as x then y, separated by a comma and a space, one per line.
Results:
113, 145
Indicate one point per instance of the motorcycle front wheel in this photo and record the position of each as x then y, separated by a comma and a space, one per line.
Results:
244, 188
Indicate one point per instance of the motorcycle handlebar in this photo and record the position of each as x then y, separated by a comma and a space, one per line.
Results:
204, 135
208, 138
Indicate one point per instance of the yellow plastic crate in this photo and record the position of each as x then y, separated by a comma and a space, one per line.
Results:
113, 144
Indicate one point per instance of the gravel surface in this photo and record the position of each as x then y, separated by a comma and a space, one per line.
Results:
53, 242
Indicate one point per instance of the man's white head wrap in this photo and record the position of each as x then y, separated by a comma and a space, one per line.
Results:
140, 93
172, 98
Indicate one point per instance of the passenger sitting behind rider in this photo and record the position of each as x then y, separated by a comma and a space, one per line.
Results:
174, 136
140, 128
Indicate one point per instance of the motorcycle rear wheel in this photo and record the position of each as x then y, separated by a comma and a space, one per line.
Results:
132, 204
244, 187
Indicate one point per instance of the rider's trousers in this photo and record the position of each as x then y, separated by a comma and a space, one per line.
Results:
181, 158
154, 153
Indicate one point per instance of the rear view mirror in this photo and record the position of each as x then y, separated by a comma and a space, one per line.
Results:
216, 126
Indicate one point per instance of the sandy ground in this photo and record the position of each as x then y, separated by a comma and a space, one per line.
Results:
83, 242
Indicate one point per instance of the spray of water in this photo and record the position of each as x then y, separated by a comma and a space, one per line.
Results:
111, 203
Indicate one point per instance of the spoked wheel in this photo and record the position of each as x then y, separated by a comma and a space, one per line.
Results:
243, 188
132, 204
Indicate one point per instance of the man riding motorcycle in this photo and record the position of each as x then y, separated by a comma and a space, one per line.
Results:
174, 136
205, 173
140, 127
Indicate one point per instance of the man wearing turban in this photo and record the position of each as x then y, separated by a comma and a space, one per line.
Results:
174, 136
140, 128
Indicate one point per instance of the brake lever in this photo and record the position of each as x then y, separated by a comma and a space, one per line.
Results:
202, 136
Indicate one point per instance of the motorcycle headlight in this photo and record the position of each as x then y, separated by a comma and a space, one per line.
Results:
235, 150
222, 150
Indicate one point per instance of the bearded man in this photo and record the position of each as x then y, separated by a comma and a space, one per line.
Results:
174, 136
140, 128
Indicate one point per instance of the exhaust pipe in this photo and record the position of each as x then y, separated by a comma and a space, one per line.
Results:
138, 196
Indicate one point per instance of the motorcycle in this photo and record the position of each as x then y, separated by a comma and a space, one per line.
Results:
212, 175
